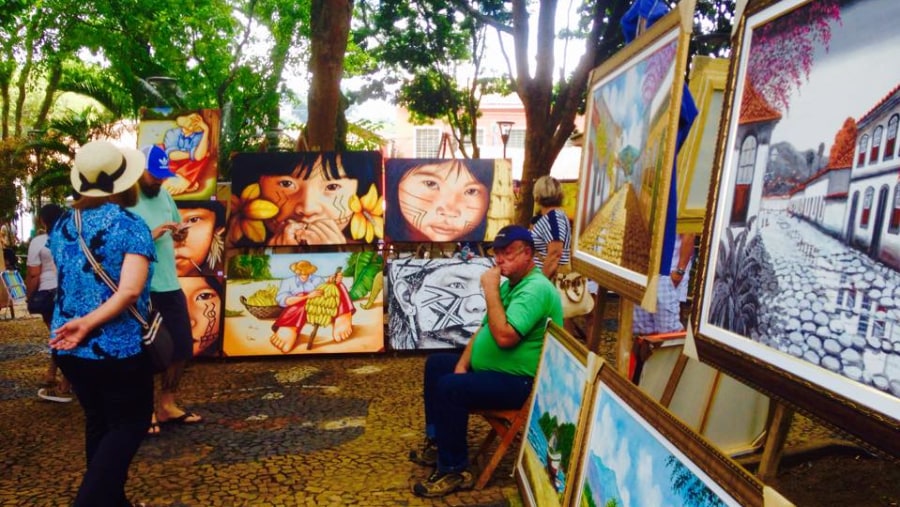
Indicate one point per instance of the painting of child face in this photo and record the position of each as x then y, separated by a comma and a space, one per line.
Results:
442, 201
313, 210
198, 226
205, 309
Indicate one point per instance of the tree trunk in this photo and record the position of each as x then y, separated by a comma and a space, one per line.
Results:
330, 27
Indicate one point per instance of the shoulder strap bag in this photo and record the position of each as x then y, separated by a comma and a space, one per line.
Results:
156, 340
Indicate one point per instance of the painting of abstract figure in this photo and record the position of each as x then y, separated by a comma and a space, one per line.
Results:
633, 107
445, 200
280, 304
802, 262
435, 303
191, 141
305, 198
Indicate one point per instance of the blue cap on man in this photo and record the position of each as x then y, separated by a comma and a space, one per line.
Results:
510, 233
157, 162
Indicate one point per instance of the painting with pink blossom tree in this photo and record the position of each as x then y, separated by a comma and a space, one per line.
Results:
801, 262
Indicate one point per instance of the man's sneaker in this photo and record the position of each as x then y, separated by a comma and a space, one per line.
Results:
426, 456
444, 483
52, 394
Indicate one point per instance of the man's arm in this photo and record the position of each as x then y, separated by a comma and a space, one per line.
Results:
505, 335
32, 280
685, 252
465, 360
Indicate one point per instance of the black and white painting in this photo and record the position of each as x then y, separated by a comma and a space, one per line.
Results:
435, 303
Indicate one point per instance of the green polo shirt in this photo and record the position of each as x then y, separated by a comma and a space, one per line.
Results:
528, 305
156, 211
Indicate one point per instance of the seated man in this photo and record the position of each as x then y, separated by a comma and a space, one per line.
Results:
496, 370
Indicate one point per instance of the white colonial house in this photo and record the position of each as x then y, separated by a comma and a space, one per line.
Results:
872, 220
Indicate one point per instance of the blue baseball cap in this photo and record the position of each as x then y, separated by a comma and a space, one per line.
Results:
157, 162
510, 233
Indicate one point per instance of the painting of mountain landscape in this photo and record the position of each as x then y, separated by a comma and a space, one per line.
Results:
803, 257
627, 463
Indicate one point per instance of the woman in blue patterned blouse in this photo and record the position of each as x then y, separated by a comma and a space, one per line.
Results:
95, 340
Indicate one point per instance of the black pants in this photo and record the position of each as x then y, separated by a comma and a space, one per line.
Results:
117, 399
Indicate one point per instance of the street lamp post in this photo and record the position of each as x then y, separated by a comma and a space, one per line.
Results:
505, 127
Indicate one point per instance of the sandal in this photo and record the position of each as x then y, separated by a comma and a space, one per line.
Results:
154, 429
186, 418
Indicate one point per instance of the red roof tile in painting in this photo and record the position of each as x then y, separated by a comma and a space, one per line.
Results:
755, 108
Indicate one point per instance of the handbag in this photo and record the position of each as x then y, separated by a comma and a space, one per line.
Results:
41, 302
573, 293
155, 340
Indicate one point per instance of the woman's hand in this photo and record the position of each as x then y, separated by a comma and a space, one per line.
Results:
70, 334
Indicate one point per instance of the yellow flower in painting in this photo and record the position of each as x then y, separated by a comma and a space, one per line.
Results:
368, 216
247, 214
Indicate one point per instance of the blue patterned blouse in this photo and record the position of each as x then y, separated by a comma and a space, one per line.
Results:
110, 232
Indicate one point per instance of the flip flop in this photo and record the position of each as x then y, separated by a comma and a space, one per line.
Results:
186, 418
153, 430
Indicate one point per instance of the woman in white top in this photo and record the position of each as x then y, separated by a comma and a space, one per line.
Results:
40, 286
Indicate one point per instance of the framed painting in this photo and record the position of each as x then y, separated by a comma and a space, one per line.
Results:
799, 270
191, 141
447, 200
305, 198
549, 453
205, 298
626, 167
434, 303
316, 303
697, 154
637, 453
200, 238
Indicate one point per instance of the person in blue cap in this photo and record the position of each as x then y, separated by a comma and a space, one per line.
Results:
497, 368
156, 206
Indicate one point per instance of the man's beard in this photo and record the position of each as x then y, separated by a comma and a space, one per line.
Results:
149, 189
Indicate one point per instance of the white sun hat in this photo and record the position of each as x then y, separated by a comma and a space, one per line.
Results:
101, 168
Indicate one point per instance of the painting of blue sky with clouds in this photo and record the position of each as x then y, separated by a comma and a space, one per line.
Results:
553, 422
631, 464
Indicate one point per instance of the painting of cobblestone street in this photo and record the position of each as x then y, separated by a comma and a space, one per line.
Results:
803, 268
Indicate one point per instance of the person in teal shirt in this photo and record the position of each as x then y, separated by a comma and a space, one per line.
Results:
156, 206
497, 368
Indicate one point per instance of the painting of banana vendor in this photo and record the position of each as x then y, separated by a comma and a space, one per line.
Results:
304, 303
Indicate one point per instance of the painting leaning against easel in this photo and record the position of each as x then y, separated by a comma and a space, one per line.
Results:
637, 453
633, 107
550, 450
800, 292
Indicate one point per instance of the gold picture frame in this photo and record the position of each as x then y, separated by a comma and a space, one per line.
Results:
697, 155
783, 250
626, 168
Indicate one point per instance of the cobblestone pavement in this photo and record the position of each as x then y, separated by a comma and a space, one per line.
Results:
294, 431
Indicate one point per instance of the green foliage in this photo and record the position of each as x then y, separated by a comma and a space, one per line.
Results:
689, 487
363, 267
249, 267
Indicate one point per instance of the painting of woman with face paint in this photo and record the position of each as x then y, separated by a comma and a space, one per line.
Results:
435, 303
200, 238
290, 199
204, 303
446, 200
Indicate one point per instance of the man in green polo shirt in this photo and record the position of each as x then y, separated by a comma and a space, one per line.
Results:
496, 370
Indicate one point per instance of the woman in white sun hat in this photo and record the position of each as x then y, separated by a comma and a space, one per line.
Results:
96, 341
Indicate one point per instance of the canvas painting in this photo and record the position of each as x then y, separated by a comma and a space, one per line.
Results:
435, 303
550, 448
305, 198
204, 297
191, 141
636, 454
317, 303
200, 238
801, 269
633, 109
447, 200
